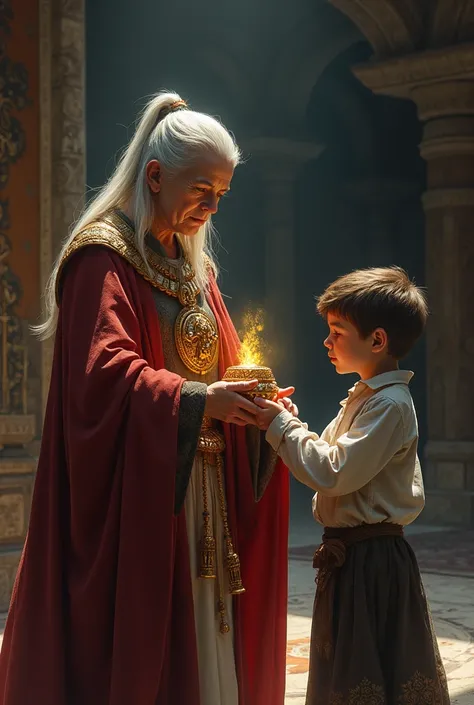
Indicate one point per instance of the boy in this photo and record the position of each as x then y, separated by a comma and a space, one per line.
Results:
372, 638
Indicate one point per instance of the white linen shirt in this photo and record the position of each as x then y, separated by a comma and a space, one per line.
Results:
364, 467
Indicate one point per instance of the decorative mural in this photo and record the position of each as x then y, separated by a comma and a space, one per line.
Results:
13, 351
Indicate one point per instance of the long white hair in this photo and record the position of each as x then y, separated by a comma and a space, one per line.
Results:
175, 140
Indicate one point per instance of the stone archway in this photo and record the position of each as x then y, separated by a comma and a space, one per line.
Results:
452, 22
391, 27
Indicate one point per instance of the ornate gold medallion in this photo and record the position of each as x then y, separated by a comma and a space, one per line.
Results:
195, 333
197, 339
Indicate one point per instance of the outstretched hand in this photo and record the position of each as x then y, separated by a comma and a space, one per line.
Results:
269, 410
284, 393
225, 402
283, 397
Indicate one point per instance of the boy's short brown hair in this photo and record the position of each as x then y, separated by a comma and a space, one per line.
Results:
379, 297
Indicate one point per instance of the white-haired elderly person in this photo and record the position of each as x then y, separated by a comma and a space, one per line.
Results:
155, 569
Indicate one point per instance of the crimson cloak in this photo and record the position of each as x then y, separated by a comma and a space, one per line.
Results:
102, 608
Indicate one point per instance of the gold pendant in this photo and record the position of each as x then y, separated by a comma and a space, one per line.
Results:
197, 339
208, 542
208, 552
233, 567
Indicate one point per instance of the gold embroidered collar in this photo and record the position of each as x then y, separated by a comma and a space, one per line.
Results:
175, 279
196, 335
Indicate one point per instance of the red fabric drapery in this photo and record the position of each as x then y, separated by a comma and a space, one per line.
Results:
102, 610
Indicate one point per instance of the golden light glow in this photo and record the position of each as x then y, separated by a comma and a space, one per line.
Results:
253, 348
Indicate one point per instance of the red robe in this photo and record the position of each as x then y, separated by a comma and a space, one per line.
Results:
102, 608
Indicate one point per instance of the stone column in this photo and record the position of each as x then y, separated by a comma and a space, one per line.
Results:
63, 177
442, 85
279, 162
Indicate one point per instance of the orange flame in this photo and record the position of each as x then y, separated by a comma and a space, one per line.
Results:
253, 347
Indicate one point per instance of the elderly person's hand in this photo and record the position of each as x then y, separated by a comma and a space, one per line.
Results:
226, 403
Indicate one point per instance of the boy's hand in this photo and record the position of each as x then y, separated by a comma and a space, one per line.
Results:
269, 410
283, 397
289, 405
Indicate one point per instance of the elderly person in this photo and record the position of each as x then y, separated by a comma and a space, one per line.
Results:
155, 569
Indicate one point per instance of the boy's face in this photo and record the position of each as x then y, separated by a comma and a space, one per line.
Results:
349, 352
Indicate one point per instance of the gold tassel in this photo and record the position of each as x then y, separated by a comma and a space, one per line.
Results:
208, 542
232, 559
223, 626
208, 551
233, 567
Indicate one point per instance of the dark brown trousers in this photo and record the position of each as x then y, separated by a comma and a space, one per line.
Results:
372, 640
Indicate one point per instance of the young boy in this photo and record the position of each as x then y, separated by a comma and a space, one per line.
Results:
372, 637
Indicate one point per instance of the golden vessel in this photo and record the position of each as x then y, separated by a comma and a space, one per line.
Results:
267, 387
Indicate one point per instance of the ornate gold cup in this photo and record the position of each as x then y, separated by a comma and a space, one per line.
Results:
267, 387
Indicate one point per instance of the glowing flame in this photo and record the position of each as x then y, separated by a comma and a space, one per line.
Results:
253, 346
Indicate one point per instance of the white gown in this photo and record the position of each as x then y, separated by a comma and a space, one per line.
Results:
217, 674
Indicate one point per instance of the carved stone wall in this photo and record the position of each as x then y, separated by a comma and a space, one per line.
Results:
19, 290
62, 60
59, 25
62, 69
68, 143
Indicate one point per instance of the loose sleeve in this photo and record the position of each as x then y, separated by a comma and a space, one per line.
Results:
262, 460
191, 412
115, 387
354, 459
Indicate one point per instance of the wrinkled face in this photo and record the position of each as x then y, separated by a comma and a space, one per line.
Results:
349, 352
186, 200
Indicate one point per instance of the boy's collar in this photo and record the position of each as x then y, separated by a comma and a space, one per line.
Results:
379, 381
394, 377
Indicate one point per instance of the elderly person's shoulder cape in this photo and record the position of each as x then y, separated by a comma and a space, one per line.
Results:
115, 233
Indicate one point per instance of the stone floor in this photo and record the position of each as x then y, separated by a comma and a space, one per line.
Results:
447, 563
